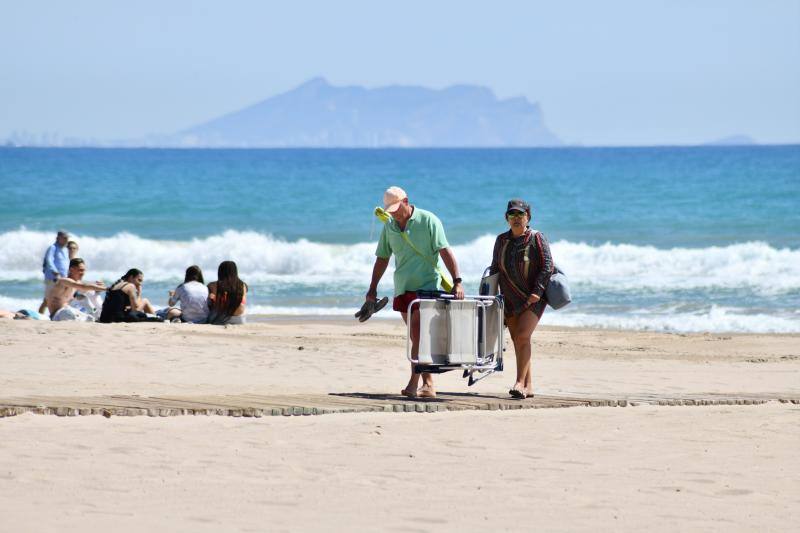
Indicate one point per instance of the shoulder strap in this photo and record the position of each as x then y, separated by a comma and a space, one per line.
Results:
502, 264
446, 283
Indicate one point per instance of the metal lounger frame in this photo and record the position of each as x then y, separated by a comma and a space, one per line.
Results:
482, 366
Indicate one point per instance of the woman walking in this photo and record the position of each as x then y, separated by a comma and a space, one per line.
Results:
522, 257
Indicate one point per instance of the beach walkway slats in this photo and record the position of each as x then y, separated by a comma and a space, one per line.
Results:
254, 405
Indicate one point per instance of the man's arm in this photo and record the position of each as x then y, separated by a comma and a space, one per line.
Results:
69, 282
381, 263
452, 266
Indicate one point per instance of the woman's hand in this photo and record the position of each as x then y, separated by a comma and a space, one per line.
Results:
532, 299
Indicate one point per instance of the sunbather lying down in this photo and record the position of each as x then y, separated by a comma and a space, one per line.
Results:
22, 314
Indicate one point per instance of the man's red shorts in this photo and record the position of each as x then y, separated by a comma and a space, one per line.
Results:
400, 302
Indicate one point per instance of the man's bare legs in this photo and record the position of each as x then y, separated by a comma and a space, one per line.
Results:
413, 381
521, 328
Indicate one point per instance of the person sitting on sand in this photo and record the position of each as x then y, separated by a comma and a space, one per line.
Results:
522, 257
124, 297
193, 297
227, 297
61, 293
22, 314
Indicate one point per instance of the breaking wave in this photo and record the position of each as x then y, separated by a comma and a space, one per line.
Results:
263, 258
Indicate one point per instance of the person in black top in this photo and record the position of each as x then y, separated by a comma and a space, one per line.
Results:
522, 257
124, 299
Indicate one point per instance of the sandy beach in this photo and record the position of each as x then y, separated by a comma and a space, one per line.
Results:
719, 468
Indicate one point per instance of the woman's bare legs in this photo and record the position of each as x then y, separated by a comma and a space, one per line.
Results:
521, 328
146, 306
173, 313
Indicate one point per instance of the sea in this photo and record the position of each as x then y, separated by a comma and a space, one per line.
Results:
676, 239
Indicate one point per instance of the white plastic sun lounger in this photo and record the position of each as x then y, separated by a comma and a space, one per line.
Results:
458, 334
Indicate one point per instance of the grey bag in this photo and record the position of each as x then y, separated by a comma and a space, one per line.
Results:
557, 291
489, 284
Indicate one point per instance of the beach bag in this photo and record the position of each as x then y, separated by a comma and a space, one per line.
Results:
557, 291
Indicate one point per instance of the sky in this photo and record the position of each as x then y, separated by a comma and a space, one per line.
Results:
605, 73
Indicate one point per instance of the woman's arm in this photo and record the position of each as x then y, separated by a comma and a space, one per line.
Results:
212, 293
175, 297
545, 263
133, 295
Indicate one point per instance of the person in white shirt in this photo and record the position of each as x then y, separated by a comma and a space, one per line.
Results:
193, 297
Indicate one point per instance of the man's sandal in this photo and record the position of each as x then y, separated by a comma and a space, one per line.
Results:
370, 308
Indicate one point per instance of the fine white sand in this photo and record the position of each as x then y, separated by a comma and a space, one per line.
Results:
731, 468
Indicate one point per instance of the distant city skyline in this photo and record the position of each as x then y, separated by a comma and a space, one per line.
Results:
612, 73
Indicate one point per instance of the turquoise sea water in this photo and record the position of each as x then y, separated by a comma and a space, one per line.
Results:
660, 238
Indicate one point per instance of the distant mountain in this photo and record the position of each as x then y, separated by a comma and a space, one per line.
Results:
317, 114
733, 140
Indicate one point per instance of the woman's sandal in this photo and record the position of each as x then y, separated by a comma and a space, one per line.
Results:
516, 393
409, 393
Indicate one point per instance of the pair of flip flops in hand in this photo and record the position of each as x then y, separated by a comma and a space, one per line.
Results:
370, 308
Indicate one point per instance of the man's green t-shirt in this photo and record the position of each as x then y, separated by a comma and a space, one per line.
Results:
412, 272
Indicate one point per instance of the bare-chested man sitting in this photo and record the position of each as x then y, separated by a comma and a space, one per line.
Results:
63, 291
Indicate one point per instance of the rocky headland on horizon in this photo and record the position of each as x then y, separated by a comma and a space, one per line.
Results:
317, 114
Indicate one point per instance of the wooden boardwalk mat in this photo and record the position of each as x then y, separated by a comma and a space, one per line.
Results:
254, 405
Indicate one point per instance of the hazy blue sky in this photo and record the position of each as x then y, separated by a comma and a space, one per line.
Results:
612, 72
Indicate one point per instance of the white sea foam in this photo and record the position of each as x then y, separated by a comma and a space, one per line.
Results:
717, 319
15, 304
259, 257
263, 258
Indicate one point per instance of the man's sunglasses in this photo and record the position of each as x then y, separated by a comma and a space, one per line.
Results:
515, 214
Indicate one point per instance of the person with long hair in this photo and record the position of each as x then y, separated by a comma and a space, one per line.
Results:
193, 297
124, 298
522, 257
227, 297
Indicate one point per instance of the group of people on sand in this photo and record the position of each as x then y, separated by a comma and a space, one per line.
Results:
220, 302
69, 298
416, 238
413, 235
